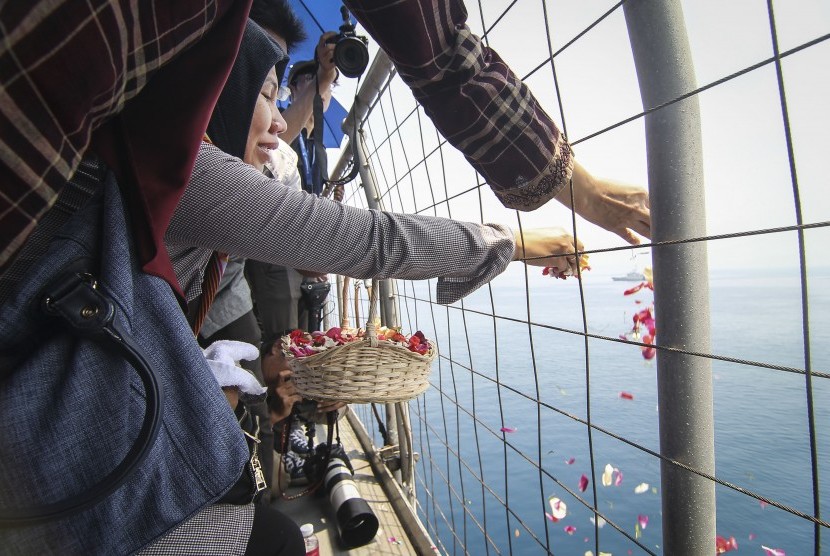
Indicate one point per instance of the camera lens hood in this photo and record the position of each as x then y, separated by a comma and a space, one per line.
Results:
351, 56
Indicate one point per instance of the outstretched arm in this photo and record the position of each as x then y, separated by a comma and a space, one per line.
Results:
617, 207
485, 111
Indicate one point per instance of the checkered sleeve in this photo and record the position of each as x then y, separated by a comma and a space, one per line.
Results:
230, 207
65, 68
472, 97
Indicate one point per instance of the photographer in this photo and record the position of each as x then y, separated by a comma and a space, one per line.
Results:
302, 98
282, 400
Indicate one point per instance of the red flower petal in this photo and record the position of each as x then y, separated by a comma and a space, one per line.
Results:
508, 429
583, 483
626, 395
725, 545
570, 529
635, 289
570, 461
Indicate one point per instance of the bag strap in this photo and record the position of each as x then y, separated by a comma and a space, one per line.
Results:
89, 312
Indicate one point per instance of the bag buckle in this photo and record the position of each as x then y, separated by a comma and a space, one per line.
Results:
77, 299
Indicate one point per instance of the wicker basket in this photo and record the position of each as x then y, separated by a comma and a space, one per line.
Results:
364, 371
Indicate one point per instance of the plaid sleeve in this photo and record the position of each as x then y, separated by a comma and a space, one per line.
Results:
472, 96
66, 67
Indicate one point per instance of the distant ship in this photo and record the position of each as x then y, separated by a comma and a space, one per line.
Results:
632, 276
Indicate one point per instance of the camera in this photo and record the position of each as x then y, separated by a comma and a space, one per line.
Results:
351, 55
356, 522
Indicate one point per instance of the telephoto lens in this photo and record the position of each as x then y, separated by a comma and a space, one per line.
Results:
356, 522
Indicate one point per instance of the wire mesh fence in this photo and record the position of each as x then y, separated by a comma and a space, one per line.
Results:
540, 430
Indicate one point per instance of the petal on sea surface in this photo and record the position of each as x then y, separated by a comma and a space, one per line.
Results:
642, 520
570, 461
508, 429
570, 529
626, 395
641, 488
618, 479
583, 483
773, 551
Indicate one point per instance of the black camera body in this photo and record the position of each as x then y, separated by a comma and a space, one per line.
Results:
351, 54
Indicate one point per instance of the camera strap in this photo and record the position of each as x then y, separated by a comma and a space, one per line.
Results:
332, 424
319, 167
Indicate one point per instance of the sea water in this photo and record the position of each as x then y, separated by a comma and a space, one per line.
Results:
501, 367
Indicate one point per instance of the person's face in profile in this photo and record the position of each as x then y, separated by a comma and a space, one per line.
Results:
266, 124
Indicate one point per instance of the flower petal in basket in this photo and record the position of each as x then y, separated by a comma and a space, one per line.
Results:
358, 372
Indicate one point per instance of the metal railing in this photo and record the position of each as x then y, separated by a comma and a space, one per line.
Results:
473, 473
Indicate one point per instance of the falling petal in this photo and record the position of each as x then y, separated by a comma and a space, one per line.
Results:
570, 461
558, 509
637, 532
642, 520
626, 395
641, 488
763, 504
570, 529
607, 475
725, 545
583, 483
752, 536
618, 480
654, 490
550, 517
773, 551
516, 533
635, 289
508, 429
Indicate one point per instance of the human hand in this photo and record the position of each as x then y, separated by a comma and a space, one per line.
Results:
617, 207
552, 247
285, 396
324, 53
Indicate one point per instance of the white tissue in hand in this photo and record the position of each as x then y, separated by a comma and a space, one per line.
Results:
223, 358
